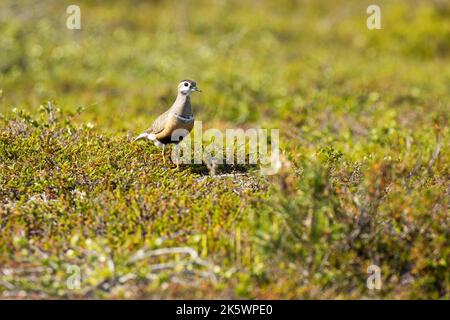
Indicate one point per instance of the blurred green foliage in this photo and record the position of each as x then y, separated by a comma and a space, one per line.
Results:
363, 118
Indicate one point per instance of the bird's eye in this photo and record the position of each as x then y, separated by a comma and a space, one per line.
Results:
186, 84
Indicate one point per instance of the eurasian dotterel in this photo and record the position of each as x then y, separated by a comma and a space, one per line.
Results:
179, 118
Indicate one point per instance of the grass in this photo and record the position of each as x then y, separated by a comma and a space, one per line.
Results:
363, 119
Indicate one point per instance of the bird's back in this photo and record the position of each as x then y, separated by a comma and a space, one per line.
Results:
159, 124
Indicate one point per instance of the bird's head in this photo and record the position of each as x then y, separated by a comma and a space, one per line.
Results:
186, 87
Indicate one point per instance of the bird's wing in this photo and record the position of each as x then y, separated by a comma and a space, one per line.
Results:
159, 124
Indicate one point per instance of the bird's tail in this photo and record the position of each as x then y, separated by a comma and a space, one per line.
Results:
144, 135
141, 136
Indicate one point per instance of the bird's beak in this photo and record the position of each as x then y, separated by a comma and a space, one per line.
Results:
196, 89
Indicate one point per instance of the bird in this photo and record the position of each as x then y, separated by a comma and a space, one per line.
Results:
178, 116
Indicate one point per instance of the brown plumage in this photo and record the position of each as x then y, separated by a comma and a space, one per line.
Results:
174, 124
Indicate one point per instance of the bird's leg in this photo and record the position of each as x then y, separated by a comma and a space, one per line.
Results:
163, 155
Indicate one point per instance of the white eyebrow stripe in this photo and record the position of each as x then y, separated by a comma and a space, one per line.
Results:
189, 118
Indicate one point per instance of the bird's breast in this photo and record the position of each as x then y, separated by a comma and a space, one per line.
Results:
175, 127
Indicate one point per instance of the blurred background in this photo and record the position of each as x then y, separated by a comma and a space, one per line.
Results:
255, 60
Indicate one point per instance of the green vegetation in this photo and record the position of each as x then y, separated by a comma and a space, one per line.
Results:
363, 118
